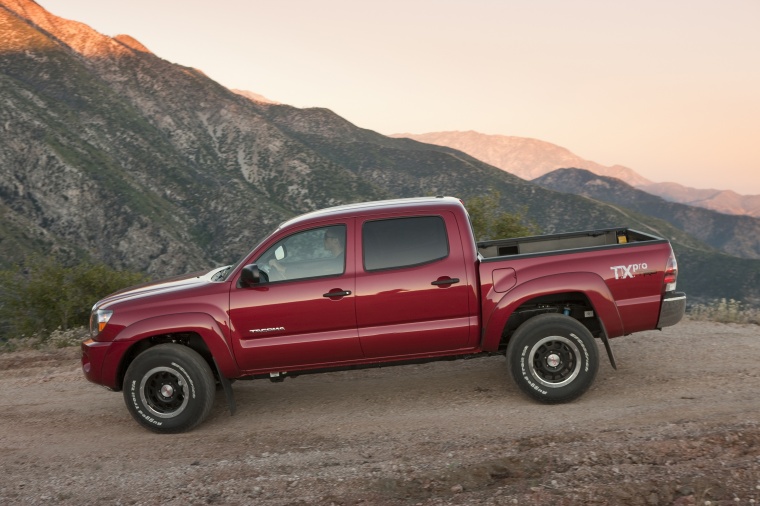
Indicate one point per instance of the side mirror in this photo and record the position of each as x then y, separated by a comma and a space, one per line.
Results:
252, 275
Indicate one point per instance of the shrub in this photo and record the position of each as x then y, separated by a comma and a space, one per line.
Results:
42, 295
725, 311
57, 339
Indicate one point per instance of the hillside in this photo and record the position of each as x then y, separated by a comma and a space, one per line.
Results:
704, 273
723, 201
532, 158
736, 235
113, 154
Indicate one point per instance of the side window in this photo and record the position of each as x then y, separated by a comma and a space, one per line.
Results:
308, 254
404, 242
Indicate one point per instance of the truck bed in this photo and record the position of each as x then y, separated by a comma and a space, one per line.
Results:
561, 242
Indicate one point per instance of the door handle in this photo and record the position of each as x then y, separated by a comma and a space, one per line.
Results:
446, 281
337, 294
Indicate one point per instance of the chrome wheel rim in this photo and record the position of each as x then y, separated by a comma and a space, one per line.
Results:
554, 361
163, 391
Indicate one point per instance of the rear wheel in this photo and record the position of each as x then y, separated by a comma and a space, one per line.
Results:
169, 388
553, 358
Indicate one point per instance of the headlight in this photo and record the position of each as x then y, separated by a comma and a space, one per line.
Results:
99, 320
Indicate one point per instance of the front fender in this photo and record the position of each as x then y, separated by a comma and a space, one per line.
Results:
588, 283
201, 324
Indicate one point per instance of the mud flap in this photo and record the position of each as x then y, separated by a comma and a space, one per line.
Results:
609, 350
607, 346
227, 386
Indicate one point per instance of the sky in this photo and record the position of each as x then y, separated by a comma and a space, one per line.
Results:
668, 88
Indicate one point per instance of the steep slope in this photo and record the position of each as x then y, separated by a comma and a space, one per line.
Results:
736, 235
404, 167
412, 168
116, 154
111, 153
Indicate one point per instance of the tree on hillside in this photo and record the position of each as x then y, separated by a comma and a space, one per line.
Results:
490, 222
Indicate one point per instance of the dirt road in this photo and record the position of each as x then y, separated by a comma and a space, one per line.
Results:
677, 423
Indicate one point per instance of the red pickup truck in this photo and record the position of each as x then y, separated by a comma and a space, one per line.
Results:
381, 283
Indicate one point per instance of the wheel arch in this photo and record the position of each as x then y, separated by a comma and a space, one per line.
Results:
197, 331
550, 295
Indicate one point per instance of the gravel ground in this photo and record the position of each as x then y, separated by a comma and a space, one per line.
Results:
678, 423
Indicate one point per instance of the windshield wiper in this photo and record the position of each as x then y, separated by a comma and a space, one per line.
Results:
219, 276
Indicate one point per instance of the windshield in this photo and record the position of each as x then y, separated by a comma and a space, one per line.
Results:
224, 273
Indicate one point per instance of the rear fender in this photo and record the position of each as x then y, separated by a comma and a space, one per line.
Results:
588, 283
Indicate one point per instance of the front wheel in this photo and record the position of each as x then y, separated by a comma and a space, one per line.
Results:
169, 388
552, 358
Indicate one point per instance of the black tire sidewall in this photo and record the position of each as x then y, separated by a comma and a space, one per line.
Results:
188, 364
533, 331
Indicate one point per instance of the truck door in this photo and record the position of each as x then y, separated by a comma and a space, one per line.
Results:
412, 290
305, 314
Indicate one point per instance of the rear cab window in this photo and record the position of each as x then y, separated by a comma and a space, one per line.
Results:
403, 242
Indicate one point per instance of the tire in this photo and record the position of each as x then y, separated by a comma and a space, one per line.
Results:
553, 358
169, 388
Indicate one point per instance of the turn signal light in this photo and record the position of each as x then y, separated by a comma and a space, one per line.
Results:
99, 320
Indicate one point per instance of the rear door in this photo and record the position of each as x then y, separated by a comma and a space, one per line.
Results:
412, 291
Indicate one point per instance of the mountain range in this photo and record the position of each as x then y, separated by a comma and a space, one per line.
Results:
111, 153
532, 158
736, 235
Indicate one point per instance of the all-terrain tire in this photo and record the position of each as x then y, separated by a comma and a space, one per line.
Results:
169, 388
553, 358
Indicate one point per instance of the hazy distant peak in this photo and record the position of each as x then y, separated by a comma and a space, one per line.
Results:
254, 96
525, 157
532, 158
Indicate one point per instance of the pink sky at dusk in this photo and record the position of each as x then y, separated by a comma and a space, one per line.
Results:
669, 89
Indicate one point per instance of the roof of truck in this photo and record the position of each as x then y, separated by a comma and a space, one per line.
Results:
384, 205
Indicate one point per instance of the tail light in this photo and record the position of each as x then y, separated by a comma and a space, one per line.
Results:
671, 273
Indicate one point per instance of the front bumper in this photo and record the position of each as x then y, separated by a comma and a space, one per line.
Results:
672, 310
100, 362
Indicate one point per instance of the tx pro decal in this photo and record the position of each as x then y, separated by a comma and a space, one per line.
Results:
629, 271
